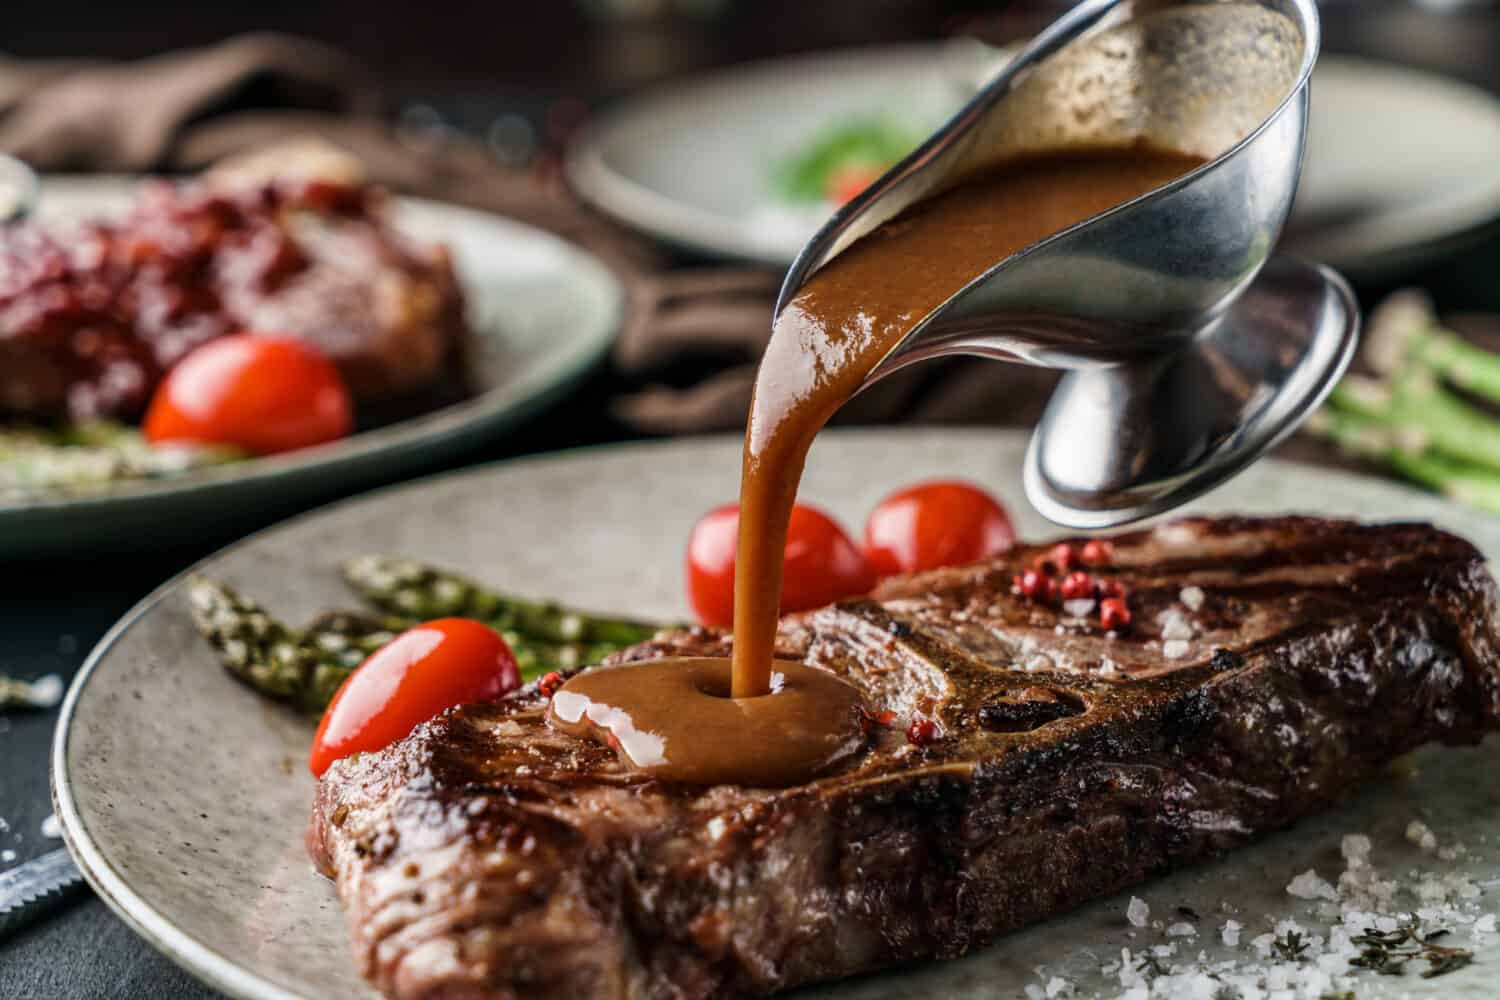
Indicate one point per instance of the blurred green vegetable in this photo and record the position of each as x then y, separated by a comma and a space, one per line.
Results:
1412, 415
85, 458
873, 143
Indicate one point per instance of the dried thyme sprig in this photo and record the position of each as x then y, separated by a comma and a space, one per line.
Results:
1290, 946
1387, 952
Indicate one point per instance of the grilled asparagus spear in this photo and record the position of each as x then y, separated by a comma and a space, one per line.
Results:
1407, 453
411, 588
86, 457
1417, 407
1404, 335
306, 666
265, 653
350, 636
1409, 417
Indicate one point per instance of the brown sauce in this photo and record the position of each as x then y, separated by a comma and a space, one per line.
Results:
674, 720
759, 721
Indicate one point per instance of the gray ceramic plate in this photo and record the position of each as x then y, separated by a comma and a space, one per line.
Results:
544, 312
691, 162
184, 796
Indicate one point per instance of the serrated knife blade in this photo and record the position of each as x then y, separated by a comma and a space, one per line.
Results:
31, 889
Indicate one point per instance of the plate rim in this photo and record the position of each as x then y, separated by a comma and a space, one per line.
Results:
223, 972
479, 414
684, 225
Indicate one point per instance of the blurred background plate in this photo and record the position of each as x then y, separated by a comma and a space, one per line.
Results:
1400, 169
543, 311
184, 795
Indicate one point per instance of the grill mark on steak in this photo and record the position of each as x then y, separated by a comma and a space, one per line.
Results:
489, 856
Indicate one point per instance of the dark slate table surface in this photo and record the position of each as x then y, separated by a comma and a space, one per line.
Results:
53, 611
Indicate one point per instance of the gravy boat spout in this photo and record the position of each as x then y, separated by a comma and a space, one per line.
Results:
1162, 275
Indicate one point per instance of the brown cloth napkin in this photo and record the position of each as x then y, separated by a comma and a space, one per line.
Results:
687, 353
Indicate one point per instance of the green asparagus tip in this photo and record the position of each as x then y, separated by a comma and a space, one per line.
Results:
1393, 326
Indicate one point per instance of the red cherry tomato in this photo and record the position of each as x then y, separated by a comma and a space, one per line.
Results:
821, 564
847, 182
260, 393
412, 678
935, 524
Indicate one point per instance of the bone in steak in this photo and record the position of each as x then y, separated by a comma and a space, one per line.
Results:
489, 856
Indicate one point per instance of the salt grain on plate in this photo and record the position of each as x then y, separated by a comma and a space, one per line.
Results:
1418, 833
1182, 929
1230, 934
1174, 624
1309, 885
51, 828
45, 692
1355, 847
1137, 912
1452, 852
1175, 534
1175, 649
1192, 598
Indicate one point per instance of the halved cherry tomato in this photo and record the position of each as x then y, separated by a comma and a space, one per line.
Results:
821, 563
935, 524
261, 393
412, 678
847, 182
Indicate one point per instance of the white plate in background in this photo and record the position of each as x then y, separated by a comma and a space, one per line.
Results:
1402, 164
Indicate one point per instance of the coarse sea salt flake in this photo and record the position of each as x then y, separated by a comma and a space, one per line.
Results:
1137, 912
1230, 934
1355, 847
1192, 598
1452, 852
1175, 649
1176, 534
1080, 608
1177, 628
1310, 885
1420, 834
1182, 929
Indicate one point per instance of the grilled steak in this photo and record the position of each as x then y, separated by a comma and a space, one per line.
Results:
92, 317
1272, 664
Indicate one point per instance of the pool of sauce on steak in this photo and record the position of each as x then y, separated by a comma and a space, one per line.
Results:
758, 721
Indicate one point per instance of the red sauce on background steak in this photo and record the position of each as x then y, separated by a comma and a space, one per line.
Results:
93, 315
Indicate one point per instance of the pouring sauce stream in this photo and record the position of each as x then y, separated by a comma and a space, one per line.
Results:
860, 306
755, 721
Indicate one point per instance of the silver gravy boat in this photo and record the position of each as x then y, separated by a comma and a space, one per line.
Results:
1189, 350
